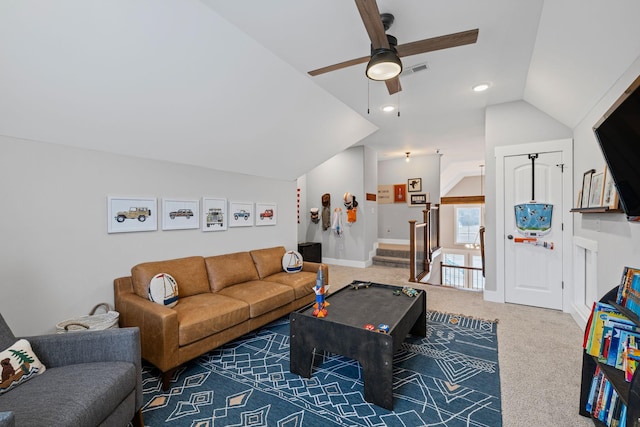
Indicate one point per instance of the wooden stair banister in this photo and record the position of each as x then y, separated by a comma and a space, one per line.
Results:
425, 235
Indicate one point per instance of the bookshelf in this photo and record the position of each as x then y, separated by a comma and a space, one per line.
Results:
629, 392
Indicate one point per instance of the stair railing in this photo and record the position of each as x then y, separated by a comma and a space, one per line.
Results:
424, 241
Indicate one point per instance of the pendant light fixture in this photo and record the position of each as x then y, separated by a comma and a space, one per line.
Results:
407, 159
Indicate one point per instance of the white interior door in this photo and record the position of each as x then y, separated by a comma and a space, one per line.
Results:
533, 272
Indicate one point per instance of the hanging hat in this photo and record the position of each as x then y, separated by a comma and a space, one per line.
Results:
314, 215
326, 199
348, 200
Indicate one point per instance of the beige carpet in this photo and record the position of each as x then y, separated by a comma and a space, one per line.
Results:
540, 350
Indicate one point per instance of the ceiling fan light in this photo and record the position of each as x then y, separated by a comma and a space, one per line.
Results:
384, 65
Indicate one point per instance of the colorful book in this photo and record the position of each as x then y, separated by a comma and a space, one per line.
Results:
587, 331
632, 301
625, 284
623, 416
611, 338
612, 407
603, 313
622, 345
595, 387
632, 357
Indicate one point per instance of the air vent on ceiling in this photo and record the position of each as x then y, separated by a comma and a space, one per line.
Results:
414, 69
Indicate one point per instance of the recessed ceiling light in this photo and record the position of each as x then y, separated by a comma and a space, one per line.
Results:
481, 87
388, 108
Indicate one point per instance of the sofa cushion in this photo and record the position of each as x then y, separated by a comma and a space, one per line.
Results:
74, 395
268, 261
190, 273
229, 269
163, 290
200, 316
19, 364
302, 283
261, 296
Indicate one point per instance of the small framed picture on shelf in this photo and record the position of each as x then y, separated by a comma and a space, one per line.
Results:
414, 185
595, 190
180, 214
579, 201
609, 194
586, 186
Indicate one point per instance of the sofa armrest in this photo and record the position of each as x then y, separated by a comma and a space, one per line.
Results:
158, 327
313, 267
7, 419
91, 346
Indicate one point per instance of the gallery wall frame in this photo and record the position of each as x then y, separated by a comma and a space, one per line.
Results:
414, 185
180, 214
266, 214
241, 214
385, 194
131, 214
214, 214
417, 200
399, 193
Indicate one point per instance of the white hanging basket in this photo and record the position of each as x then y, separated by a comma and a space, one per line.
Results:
92, 321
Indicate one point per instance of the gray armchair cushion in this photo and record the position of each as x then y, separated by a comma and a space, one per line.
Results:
92, 378
73, 395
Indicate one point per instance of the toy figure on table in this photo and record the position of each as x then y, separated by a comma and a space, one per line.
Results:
320, 307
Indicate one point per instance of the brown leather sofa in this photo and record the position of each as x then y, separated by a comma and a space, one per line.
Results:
220, 298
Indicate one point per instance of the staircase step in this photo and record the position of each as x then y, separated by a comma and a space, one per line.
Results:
396, 253
389, 261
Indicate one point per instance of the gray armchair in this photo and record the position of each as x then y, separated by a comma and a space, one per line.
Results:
91, 379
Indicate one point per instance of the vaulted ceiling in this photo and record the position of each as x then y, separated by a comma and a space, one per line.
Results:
223, 84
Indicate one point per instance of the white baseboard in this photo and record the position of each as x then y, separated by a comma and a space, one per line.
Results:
492, 296
394, 241
345, 262
580, 315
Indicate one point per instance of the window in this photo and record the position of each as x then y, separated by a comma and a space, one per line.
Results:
467, 225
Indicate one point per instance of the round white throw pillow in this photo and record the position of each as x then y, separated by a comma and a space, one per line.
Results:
292, 262
163, 289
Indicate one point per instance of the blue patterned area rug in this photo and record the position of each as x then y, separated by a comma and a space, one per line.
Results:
450, 378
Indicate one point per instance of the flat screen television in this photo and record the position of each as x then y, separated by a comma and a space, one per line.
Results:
618, 133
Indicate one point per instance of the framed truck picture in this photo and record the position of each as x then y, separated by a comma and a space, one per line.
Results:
129, 214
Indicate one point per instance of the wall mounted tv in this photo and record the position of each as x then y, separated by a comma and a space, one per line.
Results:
618, 133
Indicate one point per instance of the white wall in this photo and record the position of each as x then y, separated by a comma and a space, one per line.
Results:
345, 172
393, 219
509, 124
618, 241
56, 257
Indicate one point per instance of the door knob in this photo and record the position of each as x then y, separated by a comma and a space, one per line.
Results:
510, 237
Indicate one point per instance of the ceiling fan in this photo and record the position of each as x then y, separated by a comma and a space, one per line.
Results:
385, 50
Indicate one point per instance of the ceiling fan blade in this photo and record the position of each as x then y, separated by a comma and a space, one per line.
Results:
393, 85
437, 43
339, 66
371, 18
